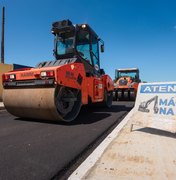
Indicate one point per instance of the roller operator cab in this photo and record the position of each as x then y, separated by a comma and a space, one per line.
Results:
126, 84
56, 90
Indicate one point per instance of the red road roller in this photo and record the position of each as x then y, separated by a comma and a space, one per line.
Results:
56, 89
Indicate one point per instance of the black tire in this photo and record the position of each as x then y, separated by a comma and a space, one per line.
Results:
115, 95
126, 95
108, 97
68, 103
132, 95
119, 95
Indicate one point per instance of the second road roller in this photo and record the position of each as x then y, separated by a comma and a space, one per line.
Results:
126, 84
57, 89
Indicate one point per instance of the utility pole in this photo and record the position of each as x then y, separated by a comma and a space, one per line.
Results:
2, 37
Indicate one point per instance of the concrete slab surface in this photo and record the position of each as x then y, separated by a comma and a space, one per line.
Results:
144, 153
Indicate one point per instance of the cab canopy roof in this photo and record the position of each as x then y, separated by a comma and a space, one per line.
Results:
128, 69
66, 25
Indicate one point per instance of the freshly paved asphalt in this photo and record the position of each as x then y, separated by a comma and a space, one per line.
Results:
42, 149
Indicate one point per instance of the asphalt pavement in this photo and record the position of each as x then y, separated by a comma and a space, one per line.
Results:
32, 149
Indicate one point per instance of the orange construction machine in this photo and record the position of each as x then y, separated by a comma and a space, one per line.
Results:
126, 84
56, 90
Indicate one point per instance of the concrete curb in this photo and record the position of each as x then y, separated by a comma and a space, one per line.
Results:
83, 169
2, 106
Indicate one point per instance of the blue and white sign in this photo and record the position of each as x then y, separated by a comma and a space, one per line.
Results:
158, 88
156, 105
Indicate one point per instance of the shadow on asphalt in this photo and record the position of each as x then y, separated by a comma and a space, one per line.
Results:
157, 132
113, 108
87, 115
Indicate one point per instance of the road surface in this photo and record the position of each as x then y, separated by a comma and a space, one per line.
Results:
51, 150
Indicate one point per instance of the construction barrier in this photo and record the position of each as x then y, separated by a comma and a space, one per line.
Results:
4, 68
155, 106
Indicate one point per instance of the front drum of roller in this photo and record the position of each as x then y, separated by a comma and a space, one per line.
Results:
35, 103
51, 103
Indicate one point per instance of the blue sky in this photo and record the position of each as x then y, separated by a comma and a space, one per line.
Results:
137, 33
